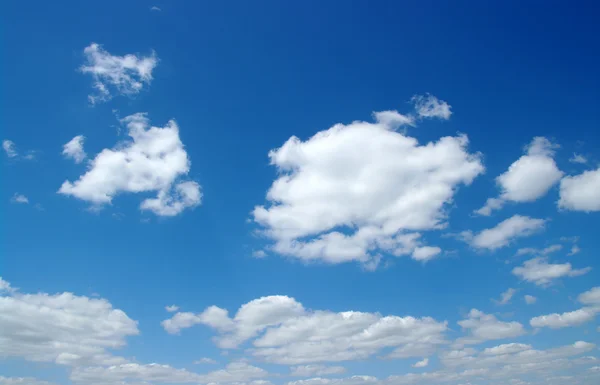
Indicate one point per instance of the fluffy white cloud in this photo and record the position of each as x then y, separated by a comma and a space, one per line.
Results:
61, 328
573, 318
504, 232
316, 370
425, 253
542, 273
74, 149
156, 373
485, 327
514, 360
590, 297
155, 8
125, 75
529, 299
506, 349
19, 198
528, 178
9, 148
578, 158
428, 106
155, 160
580, 192
283, 331
506, 296
421, 364
172, 308
353, 192
22, 381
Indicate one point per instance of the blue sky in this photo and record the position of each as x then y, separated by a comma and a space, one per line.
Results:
327, 192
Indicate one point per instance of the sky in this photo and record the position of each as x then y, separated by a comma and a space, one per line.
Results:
299, 193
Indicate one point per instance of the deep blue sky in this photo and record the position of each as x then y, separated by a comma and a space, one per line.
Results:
240, 78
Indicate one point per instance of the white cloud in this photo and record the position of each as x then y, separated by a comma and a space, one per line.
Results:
259, 254
573, 318
205, 360
529, 299
353, 192
61, 328
534, 251
22, 381
578, 158
506, 296
421, 364
425, 253
124, 74
155, 160
19, 198
580, 192
490, 205
9, 148
172, 308
590, 297
506, 349
483, 327
133, 373
514, 361
505, 232
428, 106
469, 366
5, 286
74, 149
316, 370
155, 8
393, 119
528, 178
574, 250
542, 273
282, 331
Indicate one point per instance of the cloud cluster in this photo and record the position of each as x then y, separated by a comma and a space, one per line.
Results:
500, 365
528, 178
62, 328
154, 160
22, 381
282, 331
355, 191
316, 370
481, 327
133, 373
125, 75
